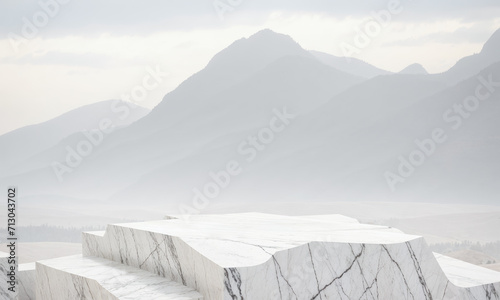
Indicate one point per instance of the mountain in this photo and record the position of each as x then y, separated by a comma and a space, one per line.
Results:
353, 154
491, 47
292, 166
341, 135
349, 65
230, 97
231, 66
342, 151
21, 144
414, 69
471, 65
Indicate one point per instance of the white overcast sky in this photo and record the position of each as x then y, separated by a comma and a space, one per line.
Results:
94, 50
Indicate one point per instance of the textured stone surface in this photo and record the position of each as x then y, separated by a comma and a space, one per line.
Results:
27, 281
254, 256
77, 277
259, 256
4, 268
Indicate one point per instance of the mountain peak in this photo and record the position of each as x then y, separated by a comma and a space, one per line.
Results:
493, 43
262, 47
266, 32
414, 69
272, 36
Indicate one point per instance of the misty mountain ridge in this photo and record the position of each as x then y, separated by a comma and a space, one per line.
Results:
350, 65
349, 128
39, 137
476, 62
414, 69
492, 46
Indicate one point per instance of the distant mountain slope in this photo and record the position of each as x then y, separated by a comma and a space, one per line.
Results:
24, 142
231, 66
345, 134
342, 150
349, 65
470, 65
338, 154
190, 118
462, 169
375, 99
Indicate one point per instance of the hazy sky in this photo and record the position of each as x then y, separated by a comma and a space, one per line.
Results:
59, 55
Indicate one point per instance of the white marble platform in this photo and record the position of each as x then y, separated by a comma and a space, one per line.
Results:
25, 276
27, 281
260, 256
464, 274
77, 277
4, 267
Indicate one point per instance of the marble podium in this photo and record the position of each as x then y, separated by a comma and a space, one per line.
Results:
259, 256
